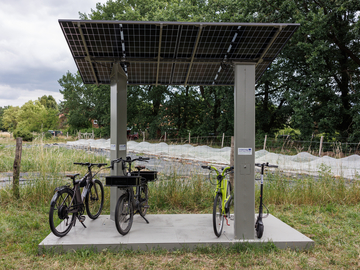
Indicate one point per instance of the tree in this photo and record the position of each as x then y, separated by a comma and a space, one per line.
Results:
33, 116
1, 117
9, 118
180, 111
48, 102
84, 102
143, 10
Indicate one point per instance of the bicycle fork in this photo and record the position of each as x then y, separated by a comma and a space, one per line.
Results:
226, 206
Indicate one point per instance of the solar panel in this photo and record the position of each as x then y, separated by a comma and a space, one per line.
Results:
172, 53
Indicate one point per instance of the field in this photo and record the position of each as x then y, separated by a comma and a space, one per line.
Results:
326, 209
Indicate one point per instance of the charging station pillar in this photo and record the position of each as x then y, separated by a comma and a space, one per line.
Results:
118, 126
244, 151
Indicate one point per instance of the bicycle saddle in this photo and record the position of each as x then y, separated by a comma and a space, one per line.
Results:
72, 176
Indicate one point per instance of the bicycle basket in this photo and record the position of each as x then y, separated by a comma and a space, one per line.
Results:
122, 180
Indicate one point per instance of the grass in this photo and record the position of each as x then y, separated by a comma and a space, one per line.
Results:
325, 209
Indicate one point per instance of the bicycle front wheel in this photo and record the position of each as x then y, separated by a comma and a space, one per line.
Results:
218, 217
124, 214
228, 197
94, 200
60, 218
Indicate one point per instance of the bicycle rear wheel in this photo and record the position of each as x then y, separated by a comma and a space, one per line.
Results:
218, 217
94, 200
60, 218
124, 214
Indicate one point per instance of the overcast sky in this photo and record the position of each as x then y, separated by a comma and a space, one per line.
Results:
34, 54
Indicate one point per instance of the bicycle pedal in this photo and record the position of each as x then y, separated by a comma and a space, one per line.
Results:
82, 219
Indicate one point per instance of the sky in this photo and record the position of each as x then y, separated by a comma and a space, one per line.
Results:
34, 54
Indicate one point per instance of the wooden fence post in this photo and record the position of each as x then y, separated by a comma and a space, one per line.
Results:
222, 141
189, 138
143, 136
165, 137
232, 160
265, 142
17, 163
321, 143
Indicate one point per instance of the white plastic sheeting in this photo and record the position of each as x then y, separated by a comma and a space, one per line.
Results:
348, 167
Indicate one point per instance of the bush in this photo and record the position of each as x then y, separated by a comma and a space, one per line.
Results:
48, 135
24, 134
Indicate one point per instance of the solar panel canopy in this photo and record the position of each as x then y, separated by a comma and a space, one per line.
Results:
172, 53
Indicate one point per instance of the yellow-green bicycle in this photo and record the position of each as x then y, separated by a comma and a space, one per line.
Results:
223, 197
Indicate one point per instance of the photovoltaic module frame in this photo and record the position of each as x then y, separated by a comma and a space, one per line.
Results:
172, 53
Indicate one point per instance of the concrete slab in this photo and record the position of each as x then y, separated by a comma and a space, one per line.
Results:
169, 232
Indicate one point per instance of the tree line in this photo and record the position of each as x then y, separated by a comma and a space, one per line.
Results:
312, 88
176, 110
34, 116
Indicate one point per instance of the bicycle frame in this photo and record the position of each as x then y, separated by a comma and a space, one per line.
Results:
221, 186
89, 178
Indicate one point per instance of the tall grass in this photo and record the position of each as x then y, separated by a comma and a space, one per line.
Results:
47, 166
310, 190
180, 194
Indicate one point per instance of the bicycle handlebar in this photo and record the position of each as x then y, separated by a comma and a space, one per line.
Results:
266, 165
90, 164
128, 160
209, 167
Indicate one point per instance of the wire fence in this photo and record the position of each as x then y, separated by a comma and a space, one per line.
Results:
285, 145
338, 147
212, 141
292, 156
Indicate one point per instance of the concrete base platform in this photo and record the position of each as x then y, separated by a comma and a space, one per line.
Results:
169, 232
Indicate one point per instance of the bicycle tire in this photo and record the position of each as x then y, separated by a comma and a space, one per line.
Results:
218, 217
228, 193
124, 214
94, 200
143, 199
60, 219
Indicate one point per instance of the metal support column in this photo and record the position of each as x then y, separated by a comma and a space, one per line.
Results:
118, 125
244, 160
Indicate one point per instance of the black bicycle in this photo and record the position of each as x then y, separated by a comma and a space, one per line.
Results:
67, 204
136, 195
259, 225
